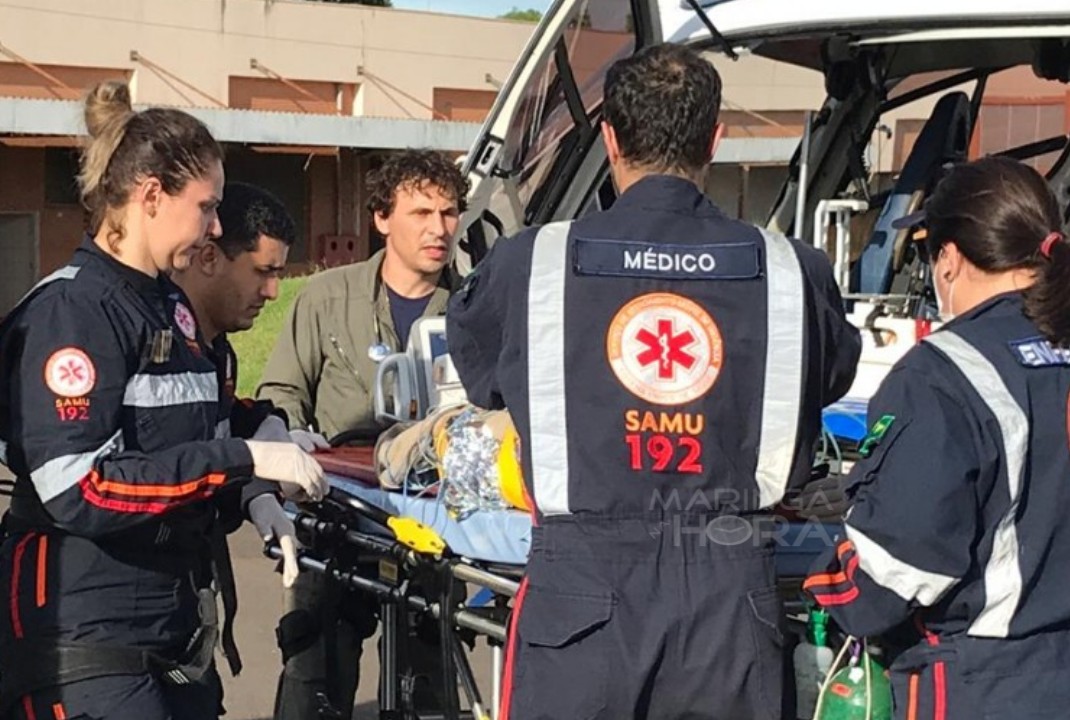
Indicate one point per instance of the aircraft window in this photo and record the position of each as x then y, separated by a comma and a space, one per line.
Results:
601, 198
565, 96
918, 81
1009, 117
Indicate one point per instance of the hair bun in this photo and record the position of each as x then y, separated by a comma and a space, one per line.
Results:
106, 104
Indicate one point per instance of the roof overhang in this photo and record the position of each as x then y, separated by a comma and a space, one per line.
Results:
755, 151
64, 117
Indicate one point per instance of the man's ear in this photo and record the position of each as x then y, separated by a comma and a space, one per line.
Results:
210, 258
715, 141
382, 223
609, 137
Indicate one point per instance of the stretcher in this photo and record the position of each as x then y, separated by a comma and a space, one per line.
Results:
411, 553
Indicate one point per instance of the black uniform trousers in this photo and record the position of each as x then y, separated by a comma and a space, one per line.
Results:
608, 603
124, 697
970, 678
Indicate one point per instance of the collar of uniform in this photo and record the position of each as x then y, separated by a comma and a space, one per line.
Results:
663, 192
435, 306
218, 350
144, 284
1004, 303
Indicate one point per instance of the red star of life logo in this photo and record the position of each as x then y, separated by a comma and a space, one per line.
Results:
70, 373
667, 348
184, 320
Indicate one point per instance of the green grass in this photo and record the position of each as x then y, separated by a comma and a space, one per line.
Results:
253, 346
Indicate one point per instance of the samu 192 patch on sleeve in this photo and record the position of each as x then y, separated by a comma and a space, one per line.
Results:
875, 435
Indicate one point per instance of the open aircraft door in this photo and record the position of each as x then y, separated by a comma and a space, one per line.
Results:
541, 139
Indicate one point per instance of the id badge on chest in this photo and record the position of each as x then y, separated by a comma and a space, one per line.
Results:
162, 342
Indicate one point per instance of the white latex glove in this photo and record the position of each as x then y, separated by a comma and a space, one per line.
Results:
309, 441
271, 522
272, 429
296, 472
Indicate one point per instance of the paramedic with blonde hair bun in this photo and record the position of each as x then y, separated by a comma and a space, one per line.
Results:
957, 541
666, 367
107, 419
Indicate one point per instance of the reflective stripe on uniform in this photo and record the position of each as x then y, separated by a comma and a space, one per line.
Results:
546, 369
784, 362
153, 391
1003, 574
64, 472
888, 571
68, 272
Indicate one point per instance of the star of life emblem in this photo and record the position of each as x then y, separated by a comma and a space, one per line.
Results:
70, 373
665, 348
184, 320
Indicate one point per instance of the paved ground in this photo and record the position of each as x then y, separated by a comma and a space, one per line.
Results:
251, 696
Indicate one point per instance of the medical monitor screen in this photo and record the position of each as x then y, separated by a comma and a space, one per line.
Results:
438, 344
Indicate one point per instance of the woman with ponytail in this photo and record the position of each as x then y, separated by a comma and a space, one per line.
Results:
108, 421
957, 543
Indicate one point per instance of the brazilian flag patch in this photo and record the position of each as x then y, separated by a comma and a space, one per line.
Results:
876, 433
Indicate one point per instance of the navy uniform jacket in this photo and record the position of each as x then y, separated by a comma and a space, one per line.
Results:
656, 357
960, 507
108, 413
240, 418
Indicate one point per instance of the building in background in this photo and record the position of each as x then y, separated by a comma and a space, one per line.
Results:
308, 96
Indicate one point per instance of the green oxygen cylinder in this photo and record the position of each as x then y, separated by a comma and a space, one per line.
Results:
812, 660
846, 697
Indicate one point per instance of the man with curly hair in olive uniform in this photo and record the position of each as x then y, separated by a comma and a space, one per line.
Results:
322, 373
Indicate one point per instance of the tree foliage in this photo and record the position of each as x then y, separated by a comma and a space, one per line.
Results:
373, 3
529, 15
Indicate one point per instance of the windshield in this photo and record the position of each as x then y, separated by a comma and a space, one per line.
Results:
557, 116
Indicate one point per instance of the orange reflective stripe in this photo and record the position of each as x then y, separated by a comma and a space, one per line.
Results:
835, 578
58, 713
830, 600
16, 575
912, 698
42, 569
155, 491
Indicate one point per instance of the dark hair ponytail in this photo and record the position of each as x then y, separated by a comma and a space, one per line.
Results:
1002, 216
1047, 302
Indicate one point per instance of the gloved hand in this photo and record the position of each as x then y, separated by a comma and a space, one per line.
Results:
272, 429
823, 500
296, 472
309, 441
271, 522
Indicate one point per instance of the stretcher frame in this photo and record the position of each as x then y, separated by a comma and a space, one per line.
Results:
344, 519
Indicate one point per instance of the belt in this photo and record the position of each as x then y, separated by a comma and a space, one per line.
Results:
27, 666
26, 516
